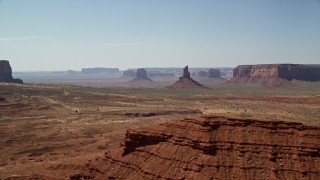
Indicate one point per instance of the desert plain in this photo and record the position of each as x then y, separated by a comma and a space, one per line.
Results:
52, 131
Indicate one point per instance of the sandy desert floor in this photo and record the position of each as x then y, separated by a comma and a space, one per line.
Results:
54, 130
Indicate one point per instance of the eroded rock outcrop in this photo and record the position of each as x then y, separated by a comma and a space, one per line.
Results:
214, 73
202, 73
275, 75
186, 81
186, 73
285, 71
6, 73
213, 148
129, 73
141, 75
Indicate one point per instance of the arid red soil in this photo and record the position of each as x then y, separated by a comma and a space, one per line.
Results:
213, 147
267, 99
266, 82
52, 132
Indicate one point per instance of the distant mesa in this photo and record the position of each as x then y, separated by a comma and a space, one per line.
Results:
275, 75
6, 73
160, 74
99, 70
141, 75
202, 74
186, 81
214, 73
129, 73
152, 72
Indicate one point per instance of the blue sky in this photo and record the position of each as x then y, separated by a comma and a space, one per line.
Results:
71, 34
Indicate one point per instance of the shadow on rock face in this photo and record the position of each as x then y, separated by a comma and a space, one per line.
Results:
6, 73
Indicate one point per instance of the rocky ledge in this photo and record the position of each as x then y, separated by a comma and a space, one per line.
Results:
213, 148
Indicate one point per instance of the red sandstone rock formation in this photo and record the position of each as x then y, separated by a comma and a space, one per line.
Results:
6, 73
213, 148
275, 75
285, 71
186, 81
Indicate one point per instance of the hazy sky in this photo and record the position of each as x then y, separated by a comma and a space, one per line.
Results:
71, 34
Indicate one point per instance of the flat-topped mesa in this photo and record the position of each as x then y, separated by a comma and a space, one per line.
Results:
214, 73
213, 147
141, 75
129, 73
99, 70
202, 74
185, 81
6, 73
285, 71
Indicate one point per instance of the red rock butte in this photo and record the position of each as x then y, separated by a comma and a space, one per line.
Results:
187, 82
6, 73
141, 75
213, 148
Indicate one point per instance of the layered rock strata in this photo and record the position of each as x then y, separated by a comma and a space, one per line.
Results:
213, 148
285, 71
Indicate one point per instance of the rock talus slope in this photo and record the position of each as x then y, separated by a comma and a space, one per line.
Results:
213, 148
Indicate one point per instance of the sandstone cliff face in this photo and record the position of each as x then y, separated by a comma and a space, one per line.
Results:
213, 148
285, 71
186, 81
6, 73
